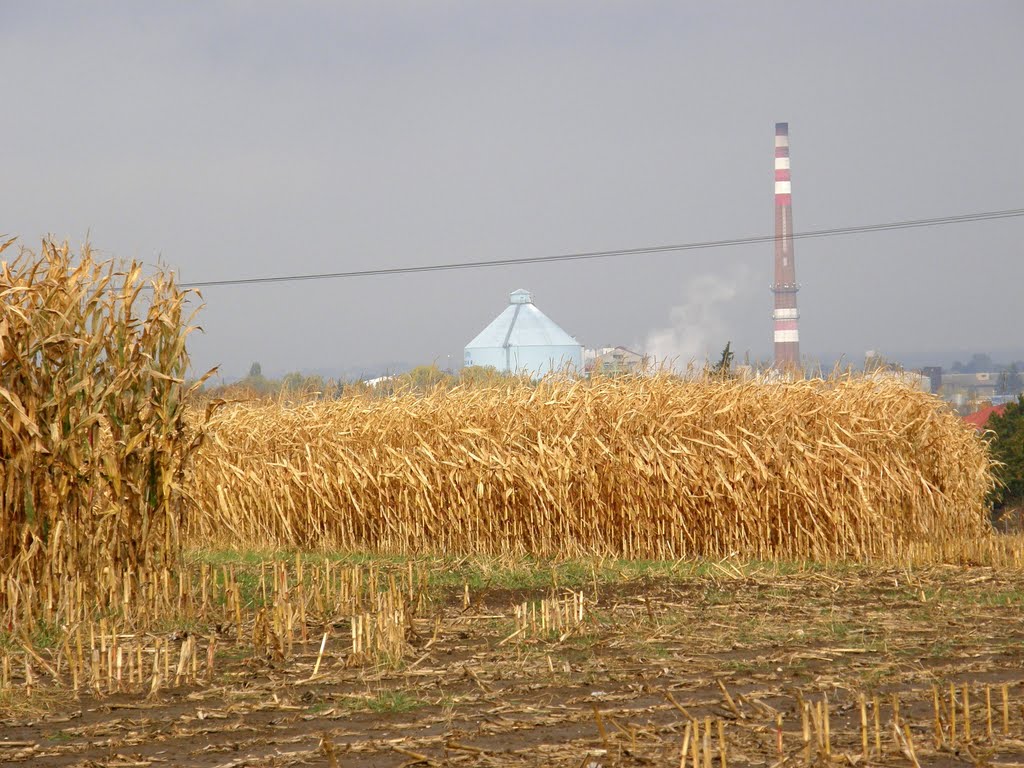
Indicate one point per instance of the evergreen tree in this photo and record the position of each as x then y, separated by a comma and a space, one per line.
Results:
1008, 448
724, 366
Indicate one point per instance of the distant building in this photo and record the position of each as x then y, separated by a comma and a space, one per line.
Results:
614, 361
970, 386
915, 380
522, 339
934, 374
875, 364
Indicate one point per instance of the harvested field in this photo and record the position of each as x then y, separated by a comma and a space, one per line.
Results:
781, 600
660, 467
794, 666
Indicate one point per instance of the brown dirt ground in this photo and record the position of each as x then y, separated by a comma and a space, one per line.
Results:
619, 690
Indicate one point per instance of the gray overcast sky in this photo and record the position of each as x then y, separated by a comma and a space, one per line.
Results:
237, 139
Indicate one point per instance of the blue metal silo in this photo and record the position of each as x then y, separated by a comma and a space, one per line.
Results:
522, 339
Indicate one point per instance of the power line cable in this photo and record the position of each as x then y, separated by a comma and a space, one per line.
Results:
586, 255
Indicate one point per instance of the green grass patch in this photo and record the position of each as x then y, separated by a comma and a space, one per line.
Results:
523, 573
385, 702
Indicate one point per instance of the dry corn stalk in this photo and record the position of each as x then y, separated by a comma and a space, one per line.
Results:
637, 467
92, 430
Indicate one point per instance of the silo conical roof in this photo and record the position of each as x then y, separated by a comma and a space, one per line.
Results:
521, 324
523, 339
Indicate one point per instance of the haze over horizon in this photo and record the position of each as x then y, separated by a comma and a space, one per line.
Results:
248, 139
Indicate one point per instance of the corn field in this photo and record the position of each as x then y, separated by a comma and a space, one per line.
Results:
657, 467
108, 473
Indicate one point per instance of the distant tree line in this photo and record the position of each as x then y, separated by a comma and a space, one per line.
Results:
983, 363
422, 378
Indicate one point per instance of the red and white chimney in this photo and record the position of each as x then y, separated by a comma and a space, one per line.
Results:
785, 314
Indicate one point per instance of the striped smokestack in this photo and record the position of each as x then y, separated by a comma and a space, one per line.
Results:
785, 315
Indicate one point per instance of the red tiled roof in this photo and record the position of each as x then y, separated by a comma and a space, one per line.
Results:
979, 419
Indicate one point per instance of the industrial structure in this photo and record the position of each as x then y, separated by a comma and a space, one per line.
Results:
785, 287
524, 340
615, 361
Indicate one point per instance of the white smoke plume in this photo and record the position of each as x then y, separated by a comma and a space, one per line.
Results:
697, 328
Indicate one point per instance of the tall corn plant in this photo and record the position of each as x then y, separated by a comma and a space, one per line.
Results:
93, 441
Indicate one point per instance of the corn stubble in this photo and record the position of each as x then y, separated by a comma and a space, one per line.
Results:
659, 467
271, 615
